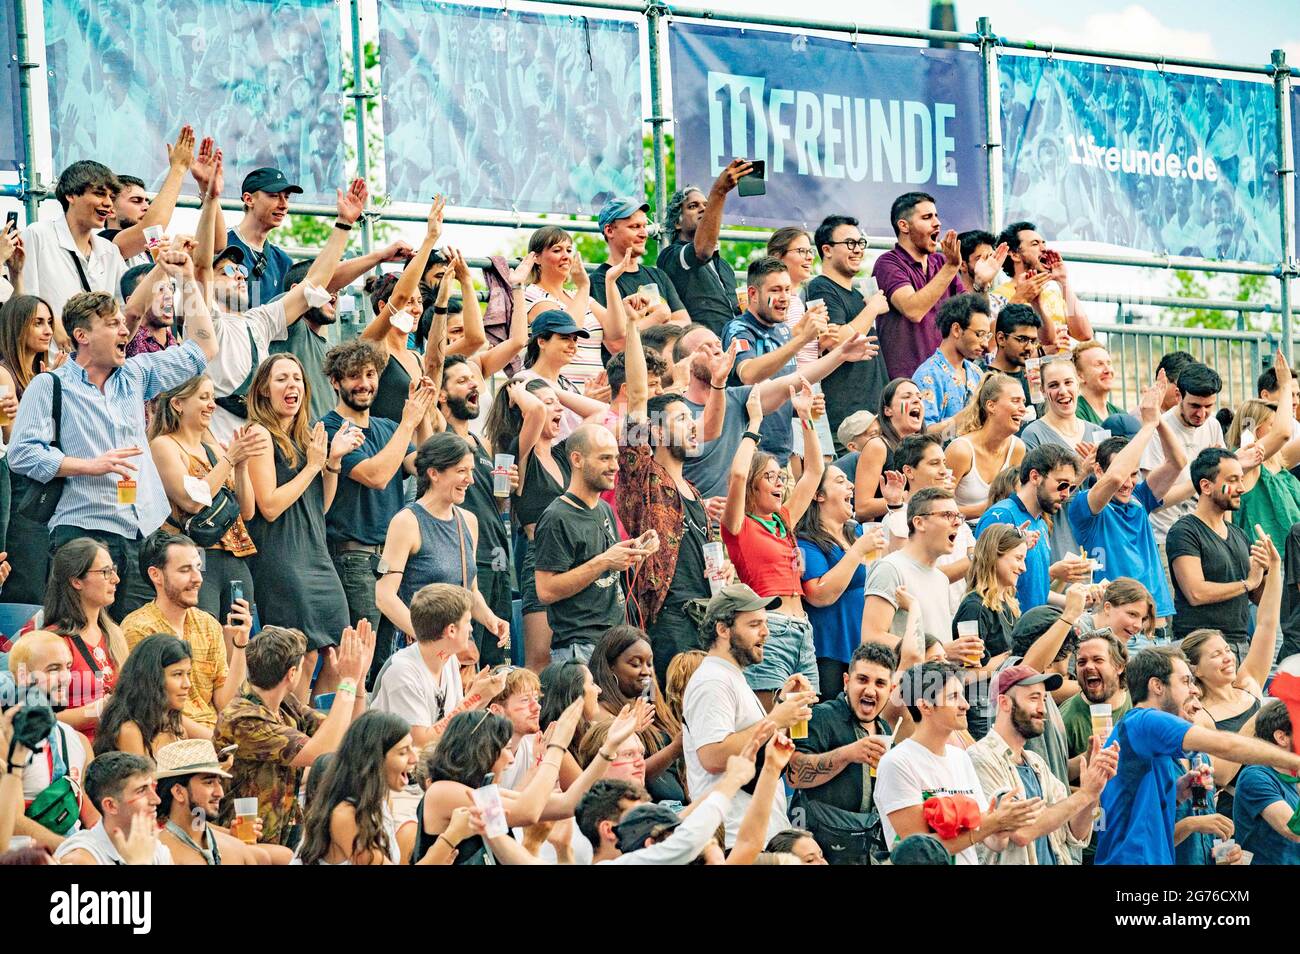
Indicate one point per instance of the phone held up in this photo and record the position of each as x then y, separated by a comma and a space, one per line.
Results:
756, 182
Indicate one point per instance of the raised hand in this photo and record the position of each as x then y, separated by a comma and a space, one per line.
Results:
986, 272
181, 154
353, 202
489, 683
239, 623
434, 223
754, 407
778, 753
892, 488
1098, 767
176, 263
1152, 398
951, 248
616, 268
318, 449
720, 365
203, 166
567, 723
346, 439
416, 408
597, 388
398, 251
137, 846
1028, 286
802, 400
578, 272
246, 443
520, 274
736, 170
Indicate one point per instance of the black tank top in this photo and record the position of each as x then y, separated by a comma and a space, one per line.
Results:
471, 851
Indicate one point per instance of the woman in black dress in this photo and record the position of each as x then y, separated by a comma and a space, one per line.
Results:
294, 485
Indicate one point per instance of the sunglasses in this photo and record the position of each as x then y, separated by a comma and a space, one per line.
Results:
1065, 485
231, 270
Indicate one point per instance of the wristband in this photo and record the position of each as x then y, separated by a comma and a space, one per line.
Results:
555, 745
345, 226
443, 837
243, 645
334, 470
316, 296
756, 438
717, 387
897, 506
441, 310
807, 424
347, 686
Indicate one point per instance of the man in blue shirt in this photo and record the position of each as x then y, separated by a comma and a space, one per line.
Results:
766, 347
369, 491
1048, 475
266, 202
949, 377
1112, 520
1267, 801
1139, 803
102, 437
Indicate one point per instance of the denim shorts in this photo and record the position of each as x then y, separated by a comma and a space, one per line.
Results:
578, 652
788, 650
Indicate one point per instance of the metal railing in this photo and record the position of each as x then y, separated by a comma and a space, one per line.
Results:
654, 14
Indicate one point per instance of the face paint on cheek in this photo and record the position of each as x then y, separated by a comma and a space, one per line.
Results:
1225, 490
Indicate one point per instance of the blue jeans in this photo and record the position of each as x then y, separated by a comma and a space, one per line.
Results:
789, 649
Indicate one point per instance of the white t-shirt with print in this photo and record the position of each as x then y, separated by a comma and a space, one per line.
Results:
408, 689
909, 769
717, 703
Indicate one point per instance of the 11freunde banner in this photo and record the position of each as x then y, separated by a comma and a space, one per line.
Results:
1169, 163
10, 118
504, 110
263, 77
844, 127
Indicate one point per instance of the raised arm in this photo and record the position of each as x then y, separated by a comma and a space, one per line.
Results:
710, 225
638, 380
474, 337
498, 356
733, 515
355, 648
179, 267
130, 241
1046, 647
1268, 619
211, 227
813, 463
319, 275
408, 284
915, 303
761, 367
349, 270
1127, 461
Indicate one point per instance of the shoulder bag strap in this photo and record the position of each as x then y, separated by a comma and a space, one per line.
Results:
460, 538
56, 409
86, 654
81, 272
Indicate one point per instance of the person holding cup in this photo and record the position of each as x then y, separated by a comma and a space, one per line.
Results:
836, 550
988, 613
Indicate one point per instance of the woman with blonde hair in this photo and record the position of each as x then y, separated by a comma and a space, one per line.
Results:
557, 263
294, 479
794, 247
987, 443
990, 602
182, 447
1270, 494
679, 673
1127, 610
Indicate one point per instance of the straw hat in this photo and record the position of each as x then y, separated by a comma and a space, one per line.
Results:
188, 757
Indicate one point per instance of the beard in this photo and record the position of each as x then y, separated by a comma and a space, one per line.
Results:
700, 370
317, 316
1047, 503
1024, 723
351, 400
594, 477
1108, 688
181, 597
461, 408
745, 655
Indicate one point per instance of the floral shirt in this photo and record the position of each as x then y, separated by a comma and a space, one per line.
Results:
267, 745
648, 498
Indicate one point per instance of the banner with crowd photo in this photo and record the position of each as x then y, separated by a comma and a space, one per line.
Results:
1169, 163
11, 132
843, 127
498, 109
263, 77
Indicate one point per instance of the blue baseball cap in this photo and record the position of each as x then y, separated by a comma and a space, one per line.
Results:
268, 179
556, 322
620, 207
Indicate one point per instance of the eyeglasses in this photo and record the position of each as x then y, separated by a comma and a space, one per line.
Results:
231, 270
776, 478
802, 252
953, 517
1023, 339
853, 245
982, 335
108, 572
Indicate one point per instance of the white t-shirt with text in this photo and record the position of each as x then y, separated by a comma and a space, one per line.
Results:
909, 769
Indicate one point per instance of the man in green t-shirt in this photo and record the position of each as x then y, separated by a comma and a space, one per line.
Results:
1096, 379
1099, 665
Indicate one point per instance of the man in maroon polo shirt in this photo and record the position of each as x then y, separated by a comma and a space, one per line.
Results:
917, 275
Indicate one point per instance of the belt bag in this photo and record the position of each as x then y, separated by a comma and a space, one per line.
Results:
209, 525
57, 807
41, 500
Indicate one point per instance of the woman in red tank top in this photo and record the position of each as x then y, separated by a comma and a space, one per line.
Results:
760, 536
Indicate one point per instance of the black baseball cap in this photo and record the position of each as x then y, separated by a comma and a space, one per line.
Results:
231, 253
268, 179
556, 322
642, 822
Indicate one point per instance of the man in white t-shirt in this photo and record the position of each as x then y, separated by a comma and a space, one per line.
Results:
920, 459
720, 713
926, 766
933, 523
44, 660
122, 788
244, 334
421, 683
1195, 427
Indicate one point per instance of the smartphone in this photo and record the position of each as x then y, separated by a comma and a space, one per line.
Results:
756, 182
11, 221
648, 690
235, 591
488, 798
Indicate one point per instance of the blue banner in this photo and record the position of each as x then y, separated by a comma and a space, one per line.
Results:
263, 77
1168, 163
11, 131
505, 110
844, 128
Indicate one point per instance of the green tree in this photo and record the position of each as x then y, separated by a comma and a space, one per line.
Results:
1242, 288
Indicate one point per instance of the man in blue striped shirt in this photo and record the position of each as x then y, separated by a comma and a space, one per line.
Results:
102, 434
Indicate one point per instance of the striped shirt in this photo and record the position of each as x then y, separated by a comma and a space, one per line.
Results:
587, 363
95, 422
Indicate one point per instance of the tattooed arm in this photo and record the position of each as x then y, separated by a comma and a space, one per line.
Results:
811, 769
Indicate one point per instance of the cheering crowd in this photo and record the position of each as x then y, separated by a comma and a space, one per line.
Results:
639, 564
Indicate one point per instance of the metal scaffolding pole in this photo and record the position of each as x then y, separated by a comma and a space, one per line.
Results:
29, 183
653, 12
359, 100
992, 121
1286, 187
